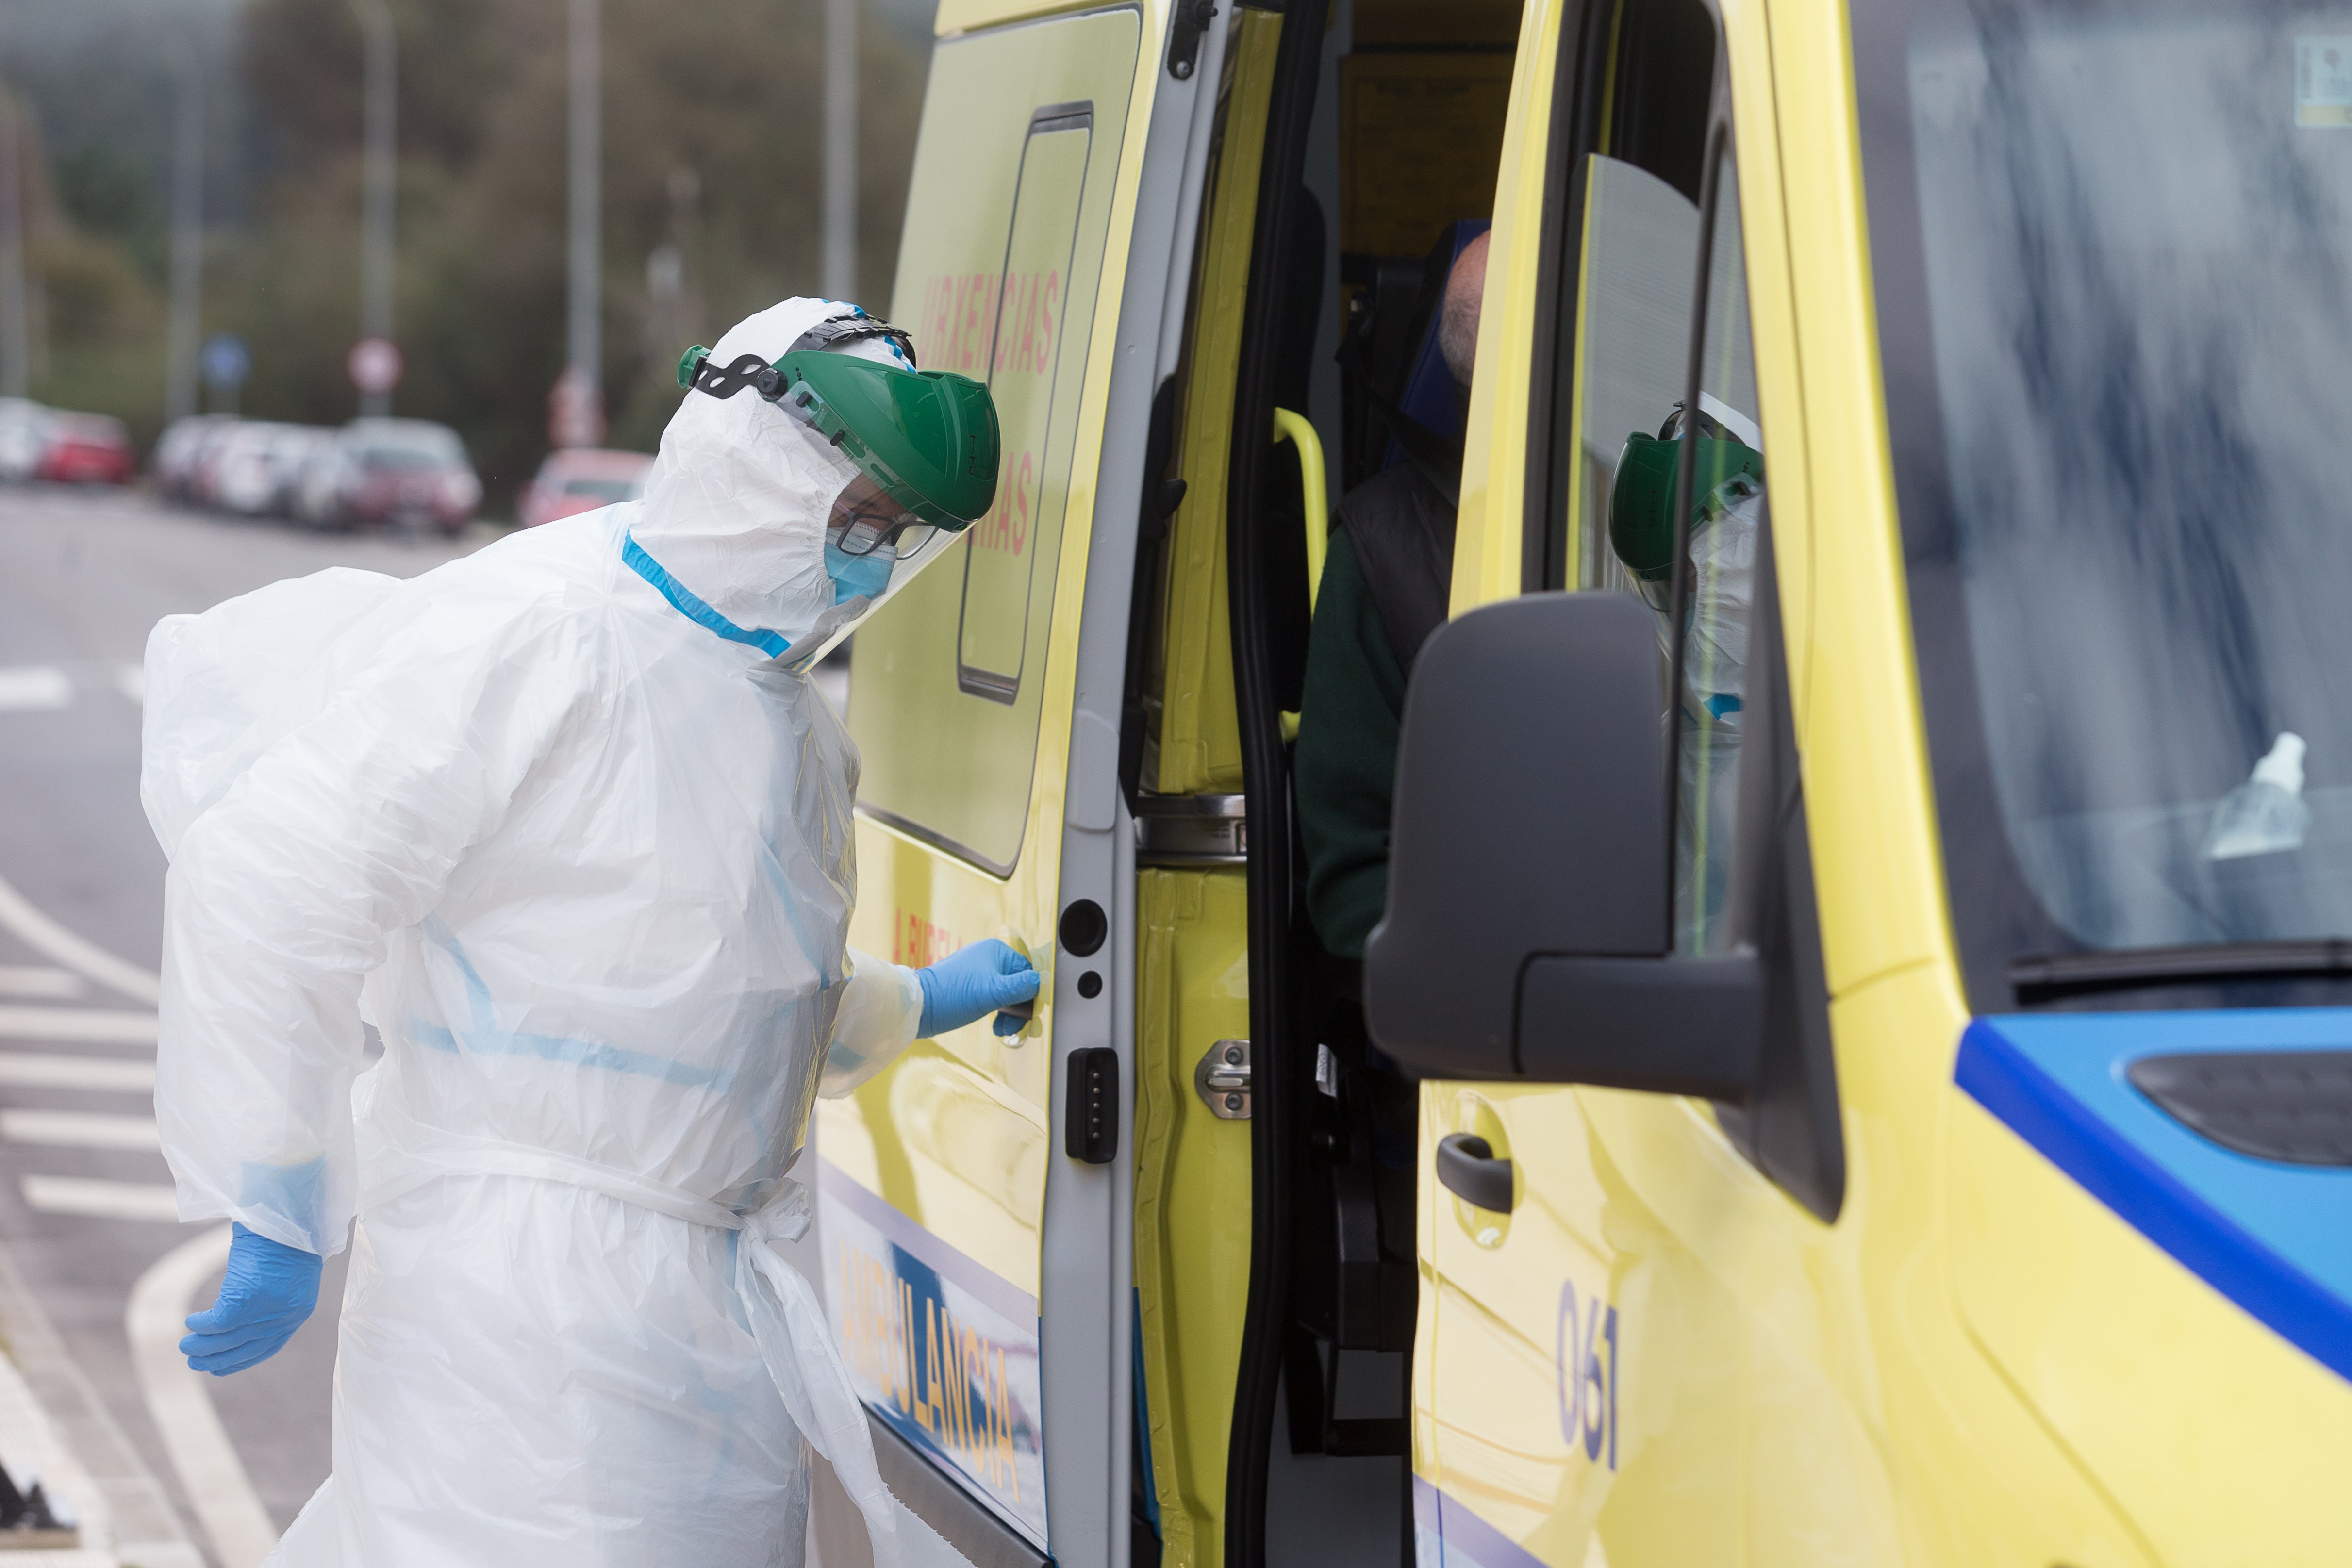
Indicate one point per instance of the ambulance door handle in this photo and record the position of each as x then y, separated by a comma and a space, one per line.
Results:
1315, 491
1467, 1168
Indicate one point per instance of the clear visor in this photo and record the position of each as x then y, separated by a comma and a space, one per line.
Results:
867, 522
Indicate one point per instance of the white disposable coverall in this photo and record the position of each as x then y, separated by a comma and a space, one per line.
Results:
586, 863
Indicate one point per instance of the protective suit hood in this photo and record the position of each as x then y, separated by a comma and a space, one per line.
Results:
734, 511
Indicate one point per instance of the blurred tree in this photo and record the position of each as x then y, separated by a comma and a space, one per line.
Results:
708, 161
94, 317
109, 195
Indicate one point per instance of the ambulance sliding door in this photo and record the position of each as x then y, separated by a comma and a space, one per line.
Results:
931, 1178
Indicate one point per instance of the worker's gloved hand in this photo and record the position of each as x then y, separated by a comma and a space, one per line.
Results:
971, 983
270, 1289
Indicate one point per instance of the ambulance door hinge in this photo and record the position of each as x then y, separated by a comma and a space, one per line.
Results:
1224, 1079
1184, 31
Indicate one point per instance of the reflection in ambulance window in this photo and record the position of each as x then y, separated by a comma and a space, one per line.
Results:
1641, 244
993, 631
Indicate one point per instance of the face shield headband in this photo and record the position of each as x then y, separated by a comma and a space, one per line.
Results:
925, 444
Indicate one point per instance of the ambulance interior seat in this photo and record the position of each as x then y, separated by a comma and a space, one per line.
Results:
1392, 130
1391, 363
1355, 1286
1348, 1354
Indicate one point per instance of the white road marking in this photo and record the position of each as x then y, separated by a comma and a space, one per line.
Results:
34, 1070
53, 941
38, 982
26, 688
130, 680
94, 1199
217, 1486
76, 1023
80, 1129
210, 1472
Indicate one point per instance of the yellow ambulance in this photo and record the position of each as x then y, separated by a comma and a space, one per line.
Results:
1856, 1066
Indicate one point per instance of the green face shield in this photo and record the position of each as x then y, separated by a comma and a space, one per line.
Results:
925, 443
1642, 500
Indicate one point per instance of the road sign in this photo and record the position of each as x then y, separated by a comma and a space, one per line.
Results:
225, 361
374, 365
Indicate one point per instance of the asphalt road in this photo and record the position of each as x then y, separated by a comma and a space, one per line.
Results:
86, 575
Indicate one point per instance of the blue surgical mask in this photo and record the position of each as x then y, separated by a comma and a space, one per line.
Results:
855, 575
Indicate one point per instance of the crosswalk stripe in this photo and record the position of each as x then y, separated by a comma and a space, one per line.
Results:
35, 1069
95, 1199
76, 1023
55, 943
80, 1129
25, 687
39, 982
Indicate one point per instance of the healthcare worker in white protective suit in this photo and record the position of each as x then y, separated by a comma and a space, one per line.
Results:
1720, 555
566, 821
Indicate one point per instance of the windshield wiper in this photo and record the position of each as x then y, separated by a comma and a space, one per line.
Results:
2045, 977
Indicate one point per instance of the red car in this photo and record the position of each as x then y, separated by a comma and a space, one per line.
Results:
86, 449
581, 479
410, 473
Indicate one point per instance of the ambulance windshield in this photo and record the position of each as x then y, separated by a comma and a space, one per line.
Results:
2113, 252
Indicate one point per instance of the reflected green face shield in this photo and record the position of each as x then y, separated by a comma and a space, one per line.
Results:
925, 442
1642, 500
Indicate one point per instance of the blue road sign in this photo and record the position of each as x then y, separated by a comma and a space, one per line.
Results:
225, 360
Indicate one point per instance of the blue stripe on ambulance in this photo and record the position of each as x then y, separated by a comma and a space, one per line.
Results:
2269, 1236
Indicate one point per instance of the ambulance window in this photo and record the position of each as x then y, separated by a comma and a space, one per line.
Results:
1729, 489
1000, 272
1625, 423
1000, 574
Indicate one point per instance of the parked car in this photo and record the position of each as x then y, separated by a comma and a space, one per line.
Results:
411, 472
581, 479
183, 442
253, 467
204, 468
24, 427
85, 449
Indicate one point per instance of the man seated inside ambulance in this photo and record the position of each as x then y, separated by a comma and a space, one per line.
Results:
1727, 503
1385, 587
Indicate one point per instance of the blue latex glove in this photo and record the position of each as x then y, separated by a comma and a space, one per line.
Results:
971, 983
270, 1289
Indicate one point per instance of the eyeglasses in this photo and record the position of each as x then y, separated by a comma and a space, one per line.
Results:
867, 522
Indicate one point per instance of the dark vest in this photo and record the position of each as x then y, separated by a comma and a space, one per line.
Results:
1402, 528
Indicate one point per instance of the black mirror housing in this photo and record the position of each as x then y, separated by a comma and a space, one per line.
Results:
1527, 933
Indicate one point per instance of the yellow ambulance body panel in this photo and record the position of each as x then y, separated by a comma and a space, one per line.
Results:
2006, 1307
1978, 1361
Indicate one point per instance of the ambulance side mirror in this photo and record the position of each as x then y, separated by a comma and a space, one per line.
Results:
1526, 935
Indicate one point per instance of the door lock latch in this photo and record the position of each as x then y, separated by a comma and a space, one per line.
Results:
1224, 1079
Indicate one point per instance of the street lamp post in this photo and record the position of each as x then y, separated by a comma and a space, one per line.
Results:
840, 268
14, 348
187, 242
382, 118
578, 408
